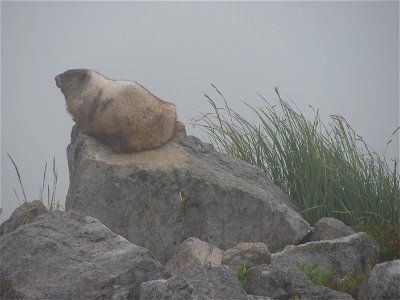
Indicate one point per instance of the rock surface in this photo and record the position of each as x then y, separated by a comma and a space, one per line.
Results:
382, 283
342, 255
71, 256
277, 282
267, 280
156, 199
329, 229
199, 283
252, 297
250, 254
24, 214
193, 253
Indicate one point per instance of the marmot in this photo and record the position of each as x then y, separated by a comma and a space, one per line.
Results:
121, 114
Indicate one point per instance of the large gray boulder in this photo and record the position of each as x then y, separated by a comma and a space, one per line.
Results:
199, 283
71, 256
382, 283
156, 199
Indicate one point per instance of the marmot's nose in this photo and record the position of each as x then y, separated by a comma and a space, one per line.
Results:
58, 80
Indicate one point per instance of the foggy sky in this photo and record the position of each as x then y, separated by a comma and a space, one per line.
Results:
340, 57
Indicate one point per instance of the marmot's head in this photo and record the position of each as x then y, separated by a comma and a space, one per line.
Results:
71, 80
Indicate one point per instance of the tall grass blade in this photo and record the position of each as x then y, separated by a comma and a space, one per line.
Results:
19, 178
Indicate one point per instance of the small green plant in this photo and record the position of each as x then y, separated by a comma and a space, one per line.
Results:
347, 284
314, 272
241, 273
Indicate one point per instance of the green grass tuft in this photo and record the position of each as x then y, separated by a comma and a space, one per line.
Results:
241, 274
327, 170
314, 272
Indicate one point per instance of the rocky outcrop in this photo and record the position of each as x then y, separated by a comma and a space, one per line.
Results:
71, 256
279, 279
156, 199
200, 283
329, 229
24, 214
383, 282
201, 213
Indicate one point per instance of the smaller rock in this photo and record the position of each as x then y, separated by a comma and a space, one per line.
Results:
23, 214
329, 229
200, 283
280, 283
250, 254
342, 255
193, 253
67, 255
266, 280
382, 283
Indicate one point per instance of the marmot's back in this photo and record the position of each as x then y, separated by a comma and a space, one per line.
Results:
121, 114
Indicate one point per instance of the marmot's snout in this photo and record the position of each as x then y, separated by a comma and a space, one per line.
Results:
58, 80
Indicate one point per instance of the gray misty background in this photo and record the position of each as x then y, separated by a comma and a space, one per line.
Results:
341, 57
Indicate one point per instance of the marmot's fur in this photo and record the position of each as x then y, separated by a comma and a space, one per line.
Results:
121, 114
